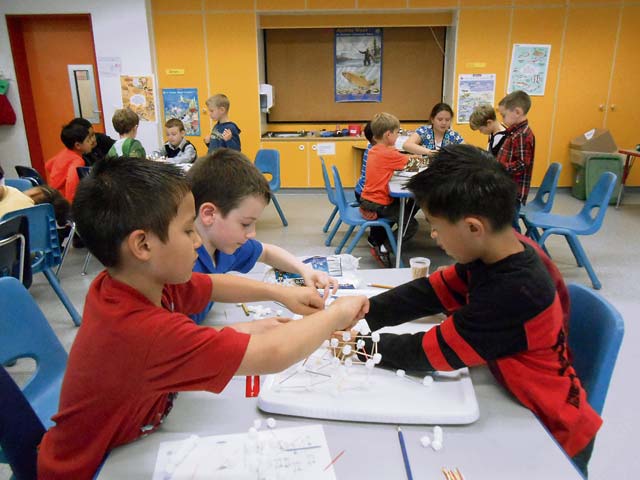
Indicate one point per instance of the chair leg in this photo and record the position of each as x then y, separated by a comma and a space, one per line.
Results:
55, 284
344, 239
86, 263
576, 253
331, 217
280, 212
356, 239
67, 246
334, 230
581, 258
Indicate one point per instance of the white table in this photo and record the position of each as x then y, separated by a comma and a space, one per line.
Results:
507, 442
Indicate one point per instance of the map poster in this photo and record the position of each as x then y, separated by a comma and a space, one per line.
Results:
138, 94
529, 66
182, 103
474, 89
358, 65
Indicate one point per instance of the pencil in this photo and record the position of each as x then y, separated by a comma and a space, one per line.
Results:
334, 460
405, 457
378, 285
245, 309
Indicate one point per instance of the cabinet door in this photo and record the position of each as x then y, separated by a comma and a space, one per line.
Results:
623, 116
294, 165
584, 78
347, 159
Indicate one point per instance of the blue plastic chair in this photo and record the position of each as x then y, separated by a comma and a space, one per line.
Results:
584, 223
20, 430
596, 329
25, 332
350, 197
546, 194
45, 249
14, 249
21, 184
29, 173
268, 161
352, 217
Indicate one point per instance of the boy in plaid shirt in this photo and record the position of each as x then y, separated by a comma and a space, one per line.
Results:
519, 146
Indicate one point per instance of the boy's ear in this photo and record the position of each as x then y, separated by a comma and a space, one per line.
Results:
207, 213
475, 225
137, 243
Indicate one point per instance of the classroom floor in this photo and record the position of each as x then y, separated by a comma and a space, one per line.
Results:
612, 252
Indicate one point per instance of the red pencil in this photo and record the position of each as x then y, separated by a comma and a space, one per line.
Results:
334, 460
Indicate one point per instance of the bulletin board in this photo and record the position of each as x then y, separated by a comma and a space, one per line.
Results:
300, 66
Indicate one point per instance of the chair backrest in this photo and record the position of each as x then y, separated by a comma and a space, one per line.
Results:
15, 258
598, 198
43, 235
20, 429
23, 171
327, 183
83, 172
21, 184
341, 199
543, 201
268, 161
25, 332
596, 329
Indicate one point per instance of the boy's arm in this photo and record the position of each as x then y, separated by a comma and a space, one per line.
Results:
233, 288
522, 154
234, 141
282, 260
187, 156
280, 347
72, 180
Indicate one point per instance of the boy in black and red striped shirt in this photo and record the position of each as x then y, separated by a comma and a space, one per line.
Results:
507, 304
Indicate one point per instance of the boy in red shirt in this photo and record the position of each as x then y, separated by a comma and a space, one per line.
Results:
61, 168
506, 303
375, 201
136, 346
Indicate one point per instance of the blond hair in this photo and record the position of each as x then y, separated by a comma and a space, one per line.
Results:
517, 99
481, 115
124, 120
175, 122
382, 123
219, 100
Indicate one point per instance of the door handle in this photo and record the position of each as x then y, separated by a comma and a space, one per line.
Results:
613, 107
601, 107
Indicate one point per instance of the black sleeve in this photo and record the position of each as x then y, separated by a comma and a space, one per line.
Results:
401, 351
404, 303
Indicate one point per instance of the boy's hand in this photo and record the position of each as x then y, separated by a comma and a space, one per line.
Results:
260, 326
318, 279
302, 300
207, 140
350, 310
226, 135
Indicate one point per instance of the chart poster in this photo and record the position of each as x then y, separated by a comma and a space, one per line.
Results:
138, 94
182, 103
358, 65
474, 89
529, 67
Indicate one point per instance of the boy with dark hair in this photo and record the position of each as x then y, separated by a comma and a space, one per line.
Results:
483, 118
178, 149
125, 121
518, 150
61, 168
506, 301
375, 200
136, 346
230, 195
101, 145
225, 133
363, 171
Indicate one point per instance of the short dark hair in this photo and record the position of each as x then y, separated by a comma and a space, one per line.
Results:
113, 201
81, 121
464, 180
72, 133
225, 178
519, 98
47, 194
368, 133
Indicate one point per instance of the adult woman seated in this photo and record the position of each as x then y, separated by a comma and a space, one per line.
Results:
427, 139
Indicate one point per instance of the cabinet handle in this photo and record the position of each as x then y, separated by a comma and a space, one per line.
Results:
601, 107
613, 107
314, 147
301, 148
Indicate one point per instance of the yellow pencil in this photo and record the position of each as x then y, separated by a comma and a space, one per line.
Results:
377, 285
245, 309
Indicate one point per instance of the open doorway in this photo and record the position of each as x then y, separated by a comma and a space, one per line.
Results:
55, 64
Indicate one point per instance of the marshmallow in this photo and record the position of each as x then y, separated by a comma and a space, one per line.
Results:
436, 445
370, 364
360, 344
346, 349
334, 342
375, 337
346, 336
400, 372
377, 358
425, 441
437, 433
326, 344
257, 423
271, 422
427, 381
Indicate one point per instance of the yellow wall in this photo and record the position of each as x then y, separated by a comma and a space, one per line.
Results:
588, 39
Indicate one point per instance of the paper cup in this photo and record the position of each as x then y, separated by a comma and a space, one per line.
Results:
419, 267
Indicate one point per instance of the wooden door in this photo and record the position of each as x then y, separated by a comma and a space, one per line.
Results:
584, 78
42, 47
294, 164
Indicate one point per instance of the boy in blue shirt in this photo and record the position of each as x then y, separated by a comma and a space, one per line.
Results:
225, 133
230, 194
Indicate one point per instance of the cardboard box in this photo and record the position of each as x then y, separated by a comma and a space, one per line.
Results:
595, 140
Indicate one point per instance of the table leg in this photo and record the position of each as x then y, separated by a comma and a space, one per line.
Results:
400, 228
628, 163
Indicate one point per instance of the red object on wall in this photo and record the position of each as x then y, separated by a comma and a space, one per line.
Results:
7, 115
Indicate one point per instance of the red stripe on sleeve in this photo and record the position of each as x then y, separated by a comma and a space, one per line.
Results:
454, 281
432, 350
442, 291
465, 351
